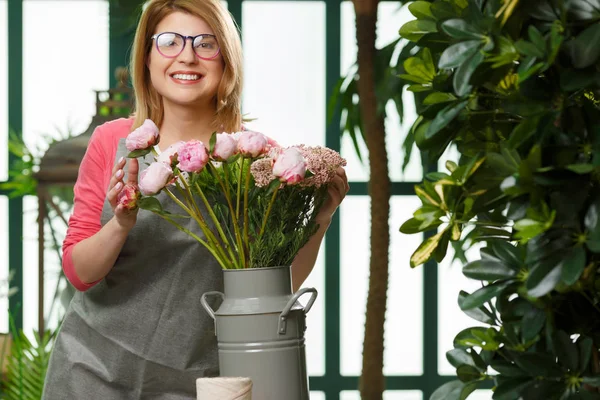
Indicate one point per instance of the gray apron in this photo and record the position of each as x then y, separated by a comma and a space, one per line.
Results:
140, 333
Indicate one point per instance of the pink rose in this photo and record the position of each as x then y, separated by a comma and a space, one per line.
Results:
154, 178
143, 137
290, 166
252, 144
225, 147
192, 156
170, 155
128, 196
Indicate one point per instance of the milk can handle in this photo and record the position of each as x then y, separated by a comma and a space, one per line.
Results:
282, 325
208, 308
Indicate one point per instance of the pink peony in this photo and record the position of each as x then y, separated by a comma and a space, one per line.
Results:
225, 147
252, 144
154, 178
128, 196
143, 137
290, 166
170, 155
193, 156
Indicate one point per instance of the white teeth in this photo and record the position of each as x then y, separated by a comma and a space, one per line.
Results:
186, 77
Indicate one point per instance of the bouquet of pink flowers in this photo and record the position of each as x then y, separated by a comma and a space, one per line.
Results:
254, 201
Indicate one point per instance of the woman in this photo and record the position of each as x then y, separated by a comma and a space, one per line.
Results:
135, 328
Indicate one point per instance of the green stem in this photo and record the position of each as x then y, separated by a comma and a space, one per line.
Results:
246, 241
236, 228
217, 223
264, 224
198, 218
193, 235
239, 189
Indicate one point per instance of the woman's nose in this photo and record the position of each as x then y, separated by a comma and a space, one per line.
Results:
188, 55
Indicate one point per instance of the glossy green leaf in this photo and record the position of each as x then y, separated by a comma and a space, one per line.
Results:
421, 10
458, 357
592, 380
543, 278
139, 153
467, 373
444, 117
566, 351
150, 204
442, 247
511, 388
448, 391
507, 369
438, 97
573, 265
580, 168
481, 314
425, 251
462, 76
585, 345
477, 336
539, 364
416, 29
536, 37
485, 270
585, 49
443, 11
458, 53
483, 295
529, 49
414, 225
461, 29
532, 323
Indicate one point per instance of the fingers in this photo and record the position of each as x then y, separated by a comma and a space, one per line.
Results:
132, 171
116, 181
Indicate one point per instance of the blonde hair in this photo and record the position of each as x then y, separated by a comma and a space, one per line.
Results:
148, 103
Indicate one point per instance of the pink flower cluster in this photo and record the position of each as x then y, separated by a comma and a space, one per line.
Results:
291, 165
143, 137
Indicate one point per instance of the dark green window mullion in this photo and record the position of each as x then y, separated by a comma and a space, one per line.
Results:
235, 8
331, 385
15, 124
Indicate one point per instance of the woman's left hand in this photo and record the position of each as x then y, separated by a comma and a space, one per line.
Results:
338, 188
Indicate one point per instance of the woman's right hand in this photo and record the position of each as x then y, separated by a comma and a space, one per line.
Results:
124, 217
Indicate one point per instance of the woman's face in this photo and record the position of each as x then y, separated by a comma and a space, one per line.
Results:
185, 79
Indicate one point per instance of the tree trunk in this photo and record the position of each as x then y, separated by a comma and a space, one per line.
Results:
372, 381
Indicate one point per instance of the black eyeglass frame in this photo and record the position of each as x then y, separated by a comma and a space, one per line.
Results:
185, 39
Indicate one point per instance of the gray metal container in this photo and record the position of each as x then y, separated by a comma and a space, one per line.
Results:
260, 330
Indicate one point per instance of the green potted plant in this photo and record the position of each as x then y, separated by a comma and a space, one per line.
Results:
515, 86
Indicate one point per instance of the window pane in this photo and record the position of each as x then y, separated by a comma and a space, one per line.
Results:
451, 319
404, 332
315, 319
481, 395
59, 99
285, 69
3, 90
387, 395
391, 17
317, 395
59, 95
3, 264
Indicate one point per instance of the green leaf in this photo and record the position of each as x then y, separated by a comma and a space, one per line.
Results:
421, 10
507, 369
483, 295
444, 117
458, 53
458, 357
468, 373
462, 76
543, 278
448, 391
416, 29
511, 388
573, 265
585, 345
426, 250
212, 142
420, 66
414, 225
487, 270
438, 97
536, 37
592, 380
523, 132
529, 49
139, 153
585, 48
150, 204
477, 336
566, 351
481, 314
460, 29
580, 168
531, 324
443, 11
442, 247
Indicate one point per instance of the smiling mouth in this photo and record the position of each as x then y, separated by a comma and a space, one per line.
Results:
187, 77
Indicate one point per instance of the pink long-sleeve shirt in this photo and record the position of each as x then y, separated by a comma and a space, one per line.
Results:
90, 191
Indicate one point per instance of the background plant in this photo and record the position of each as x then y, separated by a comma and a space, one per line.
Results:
515, 86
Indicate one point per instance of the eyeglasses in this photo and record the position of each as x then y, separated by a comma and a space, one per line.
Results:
171, 44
